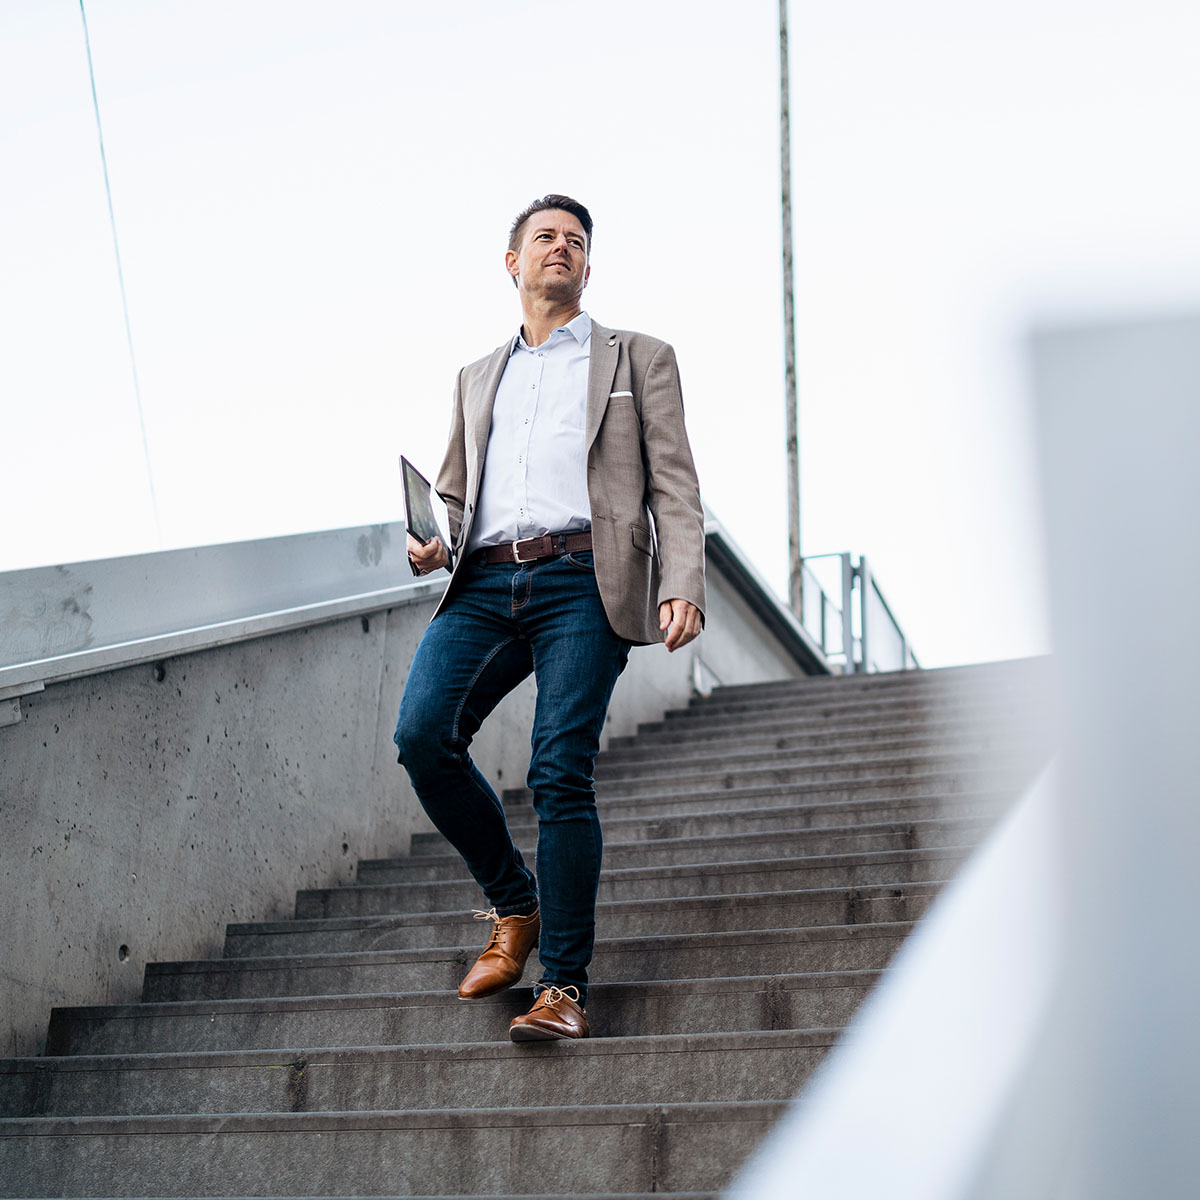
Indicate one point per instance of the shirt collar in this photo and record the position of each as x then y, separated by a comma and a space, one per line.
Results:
580, 328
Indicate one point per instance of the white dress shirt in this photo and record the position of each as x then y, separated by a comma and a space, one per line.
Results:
535, 469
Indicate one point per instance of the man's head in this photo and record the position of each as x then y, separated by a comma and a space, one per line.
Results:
548, 248
546, 204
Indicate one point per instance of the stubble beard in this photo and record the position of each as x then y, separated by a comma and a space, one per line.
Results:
560, 289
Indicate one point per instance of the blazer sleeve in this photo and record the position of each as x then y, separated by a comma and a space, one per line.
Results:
672, 489
452, 478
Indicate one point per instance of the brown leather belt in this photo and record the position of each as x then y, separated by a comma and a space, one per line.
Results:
549, 545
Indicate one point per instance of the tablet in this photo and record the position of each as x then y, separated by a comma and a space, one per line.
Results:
418, 505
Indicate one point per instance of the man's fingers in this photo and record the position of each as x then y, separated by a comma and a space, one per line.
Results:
684, 633
420, 550
681, 621
430, 556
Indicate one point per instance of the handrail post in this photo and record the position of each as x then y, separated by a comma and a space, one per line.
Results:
848, 613
876, 621
824, 623
864, 584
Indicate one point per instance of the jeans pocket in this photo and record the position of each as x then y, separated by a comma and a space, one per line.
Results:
581, 561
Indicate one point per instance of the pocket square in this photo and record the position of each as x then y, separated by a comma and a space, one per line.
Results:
617, 395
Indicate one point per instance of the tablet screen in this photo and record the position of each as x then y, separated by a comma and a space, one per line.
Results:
418, 503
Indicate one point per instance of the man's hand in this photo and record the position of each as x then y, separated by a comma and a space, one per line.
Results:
428, 557
680, 620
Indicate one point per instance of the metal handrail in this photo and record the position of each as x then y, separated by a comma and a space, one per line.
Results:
848, 634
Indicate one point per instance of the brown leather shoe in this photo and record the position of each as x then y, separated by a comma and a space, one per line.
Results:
555, 1014
503, 958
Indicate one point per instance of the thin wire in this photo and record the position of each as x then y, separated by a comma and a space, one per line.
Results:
112, 220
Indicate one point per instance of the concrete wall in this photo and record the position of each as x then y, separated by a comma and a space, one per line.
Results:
148, 805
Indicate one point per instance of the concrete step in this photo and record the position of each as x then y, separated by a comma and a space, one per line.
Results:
927, 796
653, 883
782, 732
1029, 672
940, 679
1010, 778
728, 847
936, 683
650, 761
969, 712
671, 956
968, 705
785, 771
843, 715
715, 820
614, 919
622, 1070
808, 1000
560, 1151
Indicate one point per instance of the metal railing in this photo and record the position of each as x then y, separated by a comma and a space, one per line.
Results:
862, 634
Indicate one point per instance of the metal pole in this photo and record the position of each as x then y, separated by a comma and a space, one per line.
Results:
848, 612
864, 621
795, 574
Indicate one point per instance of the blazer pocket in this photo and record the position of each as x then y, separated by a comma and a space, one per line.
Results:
642, 539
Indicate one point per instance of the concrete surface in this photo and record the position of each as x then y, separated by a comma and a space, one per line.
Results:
146, 806
701, 1021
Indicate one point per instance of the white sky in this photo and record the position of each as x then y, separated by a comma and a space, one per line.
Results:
312, 201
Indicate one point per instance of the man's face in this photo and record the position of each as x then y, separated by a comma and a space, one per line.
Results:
552, 262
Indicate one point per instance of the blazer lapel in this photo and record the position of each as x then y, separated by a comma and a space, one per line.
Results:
602, 367
481, 408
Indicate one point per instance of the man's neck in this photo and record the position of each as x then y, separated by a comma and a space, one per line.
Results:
540, 322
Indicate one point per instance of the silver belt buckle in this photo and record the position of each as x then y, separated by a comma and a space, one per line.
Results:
517, 556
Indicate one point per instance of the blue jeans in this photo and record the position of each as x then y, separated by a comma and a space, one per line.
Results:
504, 622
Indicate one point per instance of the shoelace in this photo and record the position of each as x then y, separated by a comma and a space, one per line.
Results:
553, 994
490, 915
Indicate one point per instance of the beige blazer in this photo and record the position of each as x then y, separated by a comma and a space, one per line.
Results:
647, 521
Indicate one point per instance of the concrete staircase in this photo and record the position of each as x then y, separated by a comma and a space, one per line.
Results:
767, 850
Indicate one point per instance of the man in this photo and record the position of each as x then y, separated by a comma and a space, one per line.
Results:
577, 531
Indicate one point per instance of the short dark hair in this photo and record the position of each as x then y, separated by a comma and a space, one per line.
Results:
552, 201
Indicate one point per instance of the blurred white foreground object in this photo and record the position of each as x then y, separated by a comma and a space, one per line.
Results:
1038, 1035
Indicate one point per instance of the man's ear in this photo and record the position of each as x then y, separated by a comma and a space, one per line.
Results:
587, 274
512, 263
